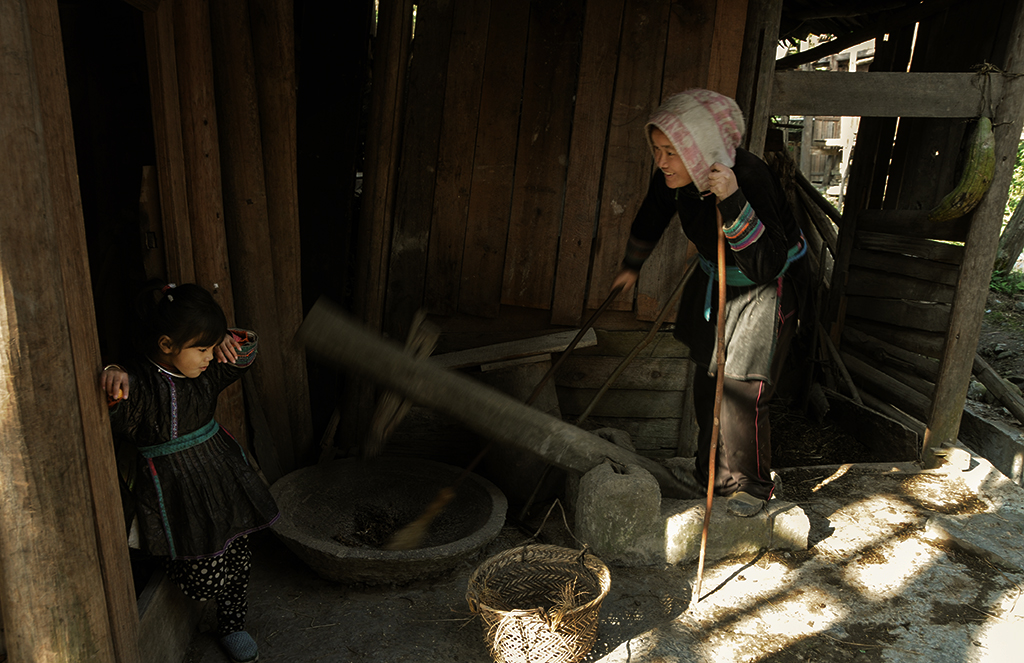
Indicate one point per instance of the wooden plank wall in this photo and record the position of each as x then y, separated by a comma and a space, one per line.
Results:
897, 274
520, 192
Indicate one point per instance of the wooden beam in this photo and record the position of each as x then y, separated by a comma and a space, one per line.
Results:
998, 387
51, 574
980, 253
882, 93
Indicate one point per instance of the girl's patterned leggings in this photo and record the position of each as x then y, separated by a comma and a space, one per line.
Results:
224, 578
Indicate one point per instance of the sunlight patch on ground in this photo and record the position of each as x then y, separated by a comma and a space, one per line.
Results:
884, 572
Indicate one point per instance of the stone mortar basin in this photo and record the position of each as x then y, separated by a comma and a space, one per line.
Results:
337, 516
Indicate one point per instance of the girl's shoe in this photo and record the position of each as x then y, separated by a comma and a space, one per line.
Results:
744, 504
240, 647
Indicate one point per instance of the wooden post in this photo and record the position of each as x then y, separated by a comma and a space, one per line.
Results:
757, 69
979, 255
51, 576
273, 34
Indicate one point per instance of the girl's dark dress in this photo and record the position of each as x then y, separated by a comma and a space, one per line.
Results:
187, 480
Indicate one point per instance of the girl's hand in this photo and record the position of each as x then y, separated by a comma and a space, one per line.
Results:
114, 381
627, 279
722, 181
226, 352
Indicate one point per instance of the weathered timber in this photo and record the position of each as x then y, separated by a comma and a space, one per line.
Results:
691, 32
938, 272
628, 167
591, 113
981, 247
639, 403
891, 22
246, 218
886, 438
873, 380
544, 130
921, 385
875, 283
58, 136
383, 137
727, 46
456, 153
888, 410
878, 94
425, 86
921, 248
654, 373
883, 353
754, 88
202, 160
914, 223
913, 315
167, 139
51, 576
929, 344
823, 224
622, 343
273, 35
333, 336
536, 345
998, 387
494, 162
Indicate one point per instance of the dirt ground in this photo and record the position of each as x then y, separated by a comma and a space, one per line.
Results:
873, 586
876, 583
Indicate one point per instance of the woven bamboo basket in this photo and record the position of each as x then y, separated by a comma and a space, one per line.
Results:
539, 603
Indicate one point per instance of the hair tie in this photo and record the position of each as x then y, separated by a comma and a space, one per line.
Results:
164, 290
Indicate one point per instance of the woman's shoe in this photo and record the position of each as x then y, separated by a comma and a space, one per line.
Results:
743, 504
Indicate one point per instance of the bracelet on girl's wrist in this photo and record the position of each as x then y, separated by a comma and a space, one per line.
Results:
117, 366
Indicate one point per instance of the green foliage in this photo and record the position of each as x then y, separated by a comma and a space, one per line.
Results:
1008, 284
1016, 184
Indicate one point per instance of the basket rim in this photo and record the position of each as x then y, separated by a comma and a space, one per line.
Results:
603, 573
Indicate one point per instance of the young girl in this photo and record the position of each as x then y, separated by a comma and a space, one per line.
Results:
191, 494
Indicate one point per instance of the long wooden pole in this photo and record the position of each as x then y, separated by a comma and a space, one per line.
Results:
719, 388
332, 335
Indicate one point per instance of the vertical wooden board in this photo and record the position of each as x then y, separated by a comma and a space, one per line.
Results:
490, 199
245, 204
600, 43
118, 584
691, 31
273, 34
551, 69
727, 46
425, 85
456, 154
167, 138
51, 582
628, 160
383, 140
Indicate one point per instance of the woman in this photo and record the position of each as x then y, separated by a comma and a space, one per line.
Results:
701, 171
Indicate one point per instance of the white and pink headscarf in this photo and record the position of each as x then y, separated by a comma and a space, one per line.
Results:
704, 126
